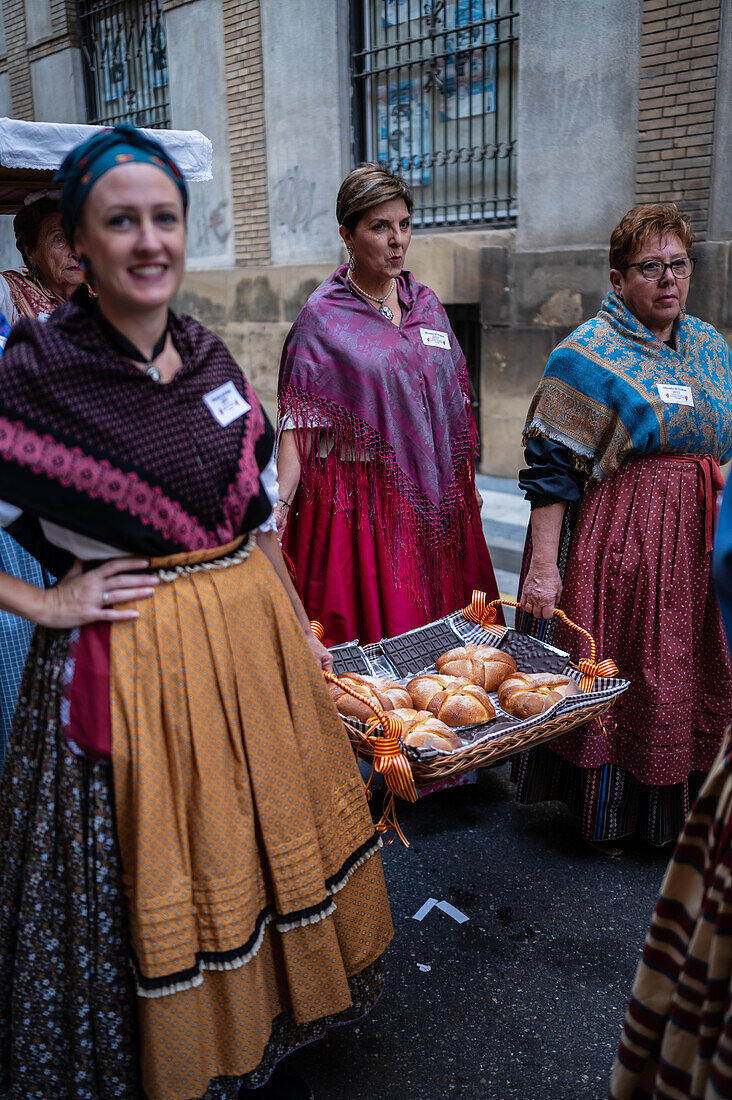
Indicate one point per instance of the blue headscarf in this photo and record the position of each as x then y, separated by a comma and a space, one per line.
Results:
83, 166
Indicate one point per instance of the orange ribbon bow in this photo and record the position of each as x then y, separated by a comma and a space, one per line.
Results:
484, 614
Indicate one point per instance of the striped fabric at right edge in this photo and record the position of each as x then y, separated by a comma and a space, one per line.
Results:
677, 1036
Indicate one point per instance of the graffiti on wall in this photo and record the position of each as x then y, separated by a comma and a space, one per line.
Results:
210, 226
293, 201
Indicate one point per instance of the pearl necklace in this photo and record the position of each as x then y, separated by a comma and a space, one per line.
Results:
383, 310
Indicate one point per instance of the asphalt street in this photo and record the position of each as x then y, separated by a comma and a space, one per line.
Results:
526, 998
505, 515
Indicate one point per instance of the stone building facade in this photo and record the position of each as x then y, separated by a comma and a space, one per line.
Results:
609, 104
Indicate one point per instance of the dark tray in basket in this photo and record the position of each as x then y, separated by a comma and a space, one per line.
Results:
529, 652
418, 649
349, 658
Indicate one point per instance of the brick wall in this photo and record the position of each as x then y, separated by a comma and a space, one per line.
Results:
18, 65
679, 53
18, 55
64, 32
64, 19
247, 142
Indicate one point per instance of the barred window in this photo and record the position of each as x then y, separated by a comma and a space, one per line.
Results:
435, 94
125, 60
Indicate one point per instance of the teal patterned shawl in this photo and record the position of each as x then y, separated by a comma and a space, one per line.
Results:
599, 397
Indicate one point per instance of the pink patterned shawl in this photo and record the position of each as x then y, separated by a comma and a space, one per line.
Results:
89, 442
394, 418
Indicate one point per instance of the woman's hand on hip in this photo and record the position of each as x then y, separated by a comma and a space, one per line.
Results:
95, 596
542, 589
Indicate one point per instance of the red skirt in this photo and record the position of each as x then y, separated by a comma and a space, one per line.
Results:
345, 572
639, 578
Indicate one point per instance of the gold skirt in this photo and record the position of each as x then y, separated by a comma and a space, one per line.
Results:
246, 843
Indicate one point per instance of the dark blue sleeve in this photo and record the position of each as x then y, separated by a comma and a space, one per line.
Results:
551, 475
722, 562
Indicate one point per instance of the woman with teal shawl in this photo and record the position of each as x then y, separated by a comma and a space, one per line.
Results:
624, 438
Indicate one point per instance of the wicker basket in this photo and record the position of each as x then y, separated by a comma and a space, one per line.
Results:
598, 680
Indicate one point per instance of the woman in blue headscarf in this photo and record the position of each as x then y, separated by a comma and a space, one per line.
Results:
190, 884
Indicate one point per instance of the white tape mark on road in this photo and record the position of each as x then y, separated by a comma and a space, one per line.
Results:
450, 910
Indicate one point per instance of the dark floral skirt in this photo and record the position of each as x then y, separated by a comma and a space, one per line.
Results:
68, 1027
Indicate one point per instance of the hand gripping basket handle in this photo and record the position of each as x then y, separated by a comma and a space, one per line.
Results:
388, 757
484, 614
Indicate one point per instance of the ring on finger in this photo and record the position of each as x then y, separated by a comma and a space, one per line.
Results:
105, 599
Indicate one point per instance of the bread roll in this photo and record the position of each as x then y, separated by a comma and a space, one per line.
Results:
462, 705
422, 730
529, 693
423, 688
385, 693
483, 665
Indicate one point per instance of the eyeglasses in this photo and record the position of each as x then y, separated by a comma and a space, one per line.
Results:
656, 269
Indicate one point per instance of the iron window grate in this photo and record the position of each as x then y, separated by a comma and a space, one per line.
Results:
125, 59
435, 90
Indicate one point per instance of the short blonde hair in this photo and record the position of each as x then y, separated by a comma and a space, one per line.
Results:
366, 187
650, 219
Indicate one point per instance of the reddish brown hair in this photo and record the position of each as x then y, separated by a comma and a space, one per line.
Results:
650, 219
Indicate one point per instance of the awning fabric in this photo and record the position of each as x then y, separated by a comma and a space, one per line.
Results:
30, 153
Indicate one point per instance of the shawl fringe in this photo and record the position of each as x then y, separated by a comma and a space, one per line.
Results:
538, 430
347, 461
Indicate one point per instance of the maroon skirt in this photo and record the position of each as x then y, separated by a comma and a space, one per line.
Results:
638, 578
347, 576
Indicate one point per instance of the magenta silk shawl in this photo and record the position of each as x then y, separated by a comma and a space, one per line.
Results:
401, 404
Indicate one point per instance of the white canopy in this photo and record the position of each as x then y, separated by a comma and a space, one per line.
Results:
43, 145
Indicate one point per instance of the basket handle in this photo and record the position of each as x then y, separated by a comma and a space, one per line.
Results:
484, 614
389, 759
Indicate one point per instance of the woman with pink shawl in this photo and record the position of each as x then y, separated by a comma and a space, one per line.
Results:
378, 507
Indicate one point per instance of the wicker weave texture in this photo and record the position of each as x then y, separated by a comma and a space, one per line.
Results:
485, 753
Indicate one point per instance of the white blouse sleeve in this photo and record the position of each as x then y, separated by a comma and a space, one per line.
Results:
314, 420
8, 513
7, 305
268, 477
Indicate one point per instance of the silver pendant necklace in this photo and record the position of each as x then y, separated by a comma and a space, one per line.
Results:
383, 310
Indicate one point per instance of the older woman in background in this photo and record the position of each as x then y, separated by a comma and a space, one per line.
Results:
623, 440
54, 273
53, 269
377, 445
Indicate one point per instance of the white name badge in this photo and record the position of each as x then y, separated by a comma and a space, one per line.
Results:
226, 404
675, 395
434, 338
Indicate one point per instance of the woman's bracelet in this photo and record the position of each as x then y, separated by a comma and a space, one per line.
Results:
286, 503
